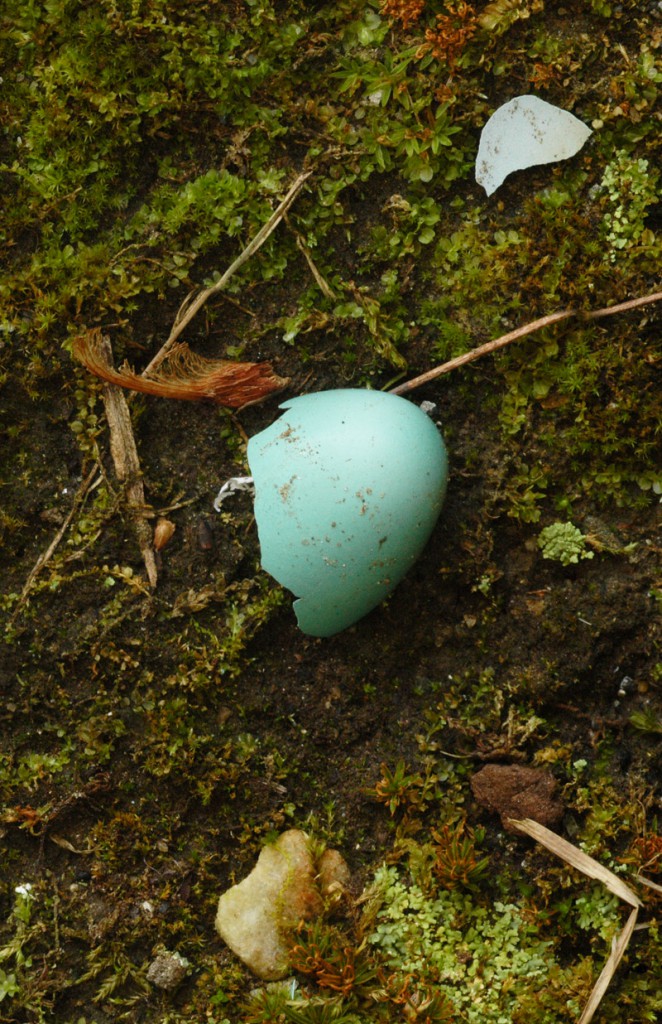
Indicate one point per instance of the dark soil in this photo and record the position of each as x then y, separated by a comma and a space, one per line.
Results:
298, 735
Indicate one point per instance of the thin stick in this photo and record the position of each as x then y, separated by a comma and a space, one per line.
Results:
521, 332
643, 300
189, 309
45, 556
482, 350
322, 284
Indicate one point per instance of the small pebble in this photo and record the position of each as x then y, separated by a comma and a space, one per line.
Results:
205, 535
167, 970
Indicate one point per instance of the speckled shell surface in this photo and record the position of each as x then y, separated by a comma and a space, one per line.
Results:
348, 487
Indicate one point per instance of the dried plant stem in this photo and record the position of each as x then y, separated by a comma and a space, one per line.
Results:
572, 855
593, 869
127, 467
521, 332
646, 881
643, 300
321, 282
45, 557
607, 973
189, 308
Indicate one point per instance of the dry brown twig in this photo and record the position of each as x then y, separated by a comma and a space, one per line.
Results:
191, 376
520, 332
191, 306
303, 247
90, 481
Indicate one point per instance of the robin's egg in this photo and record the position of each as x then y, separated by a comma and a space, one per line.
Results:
348, 487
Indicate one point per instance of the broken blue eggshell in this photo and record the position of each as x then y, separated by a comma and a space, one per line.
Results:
348, 487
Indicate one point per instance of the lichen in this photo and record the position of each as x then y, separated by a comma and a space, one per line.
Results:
564, 543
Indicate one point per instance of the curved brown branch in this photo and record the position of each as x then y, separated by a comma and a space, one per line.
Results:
520, 332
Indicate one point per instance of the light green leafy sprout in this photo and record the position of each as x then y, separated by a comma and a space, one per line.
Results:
485, 959
631, 186
563, 542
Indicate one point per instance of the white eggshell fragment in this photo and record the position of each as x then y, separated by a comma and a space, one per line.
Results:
348, 487
525, 132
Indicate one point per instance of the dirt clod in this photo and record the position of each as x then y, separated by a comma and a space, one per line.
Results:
514, 791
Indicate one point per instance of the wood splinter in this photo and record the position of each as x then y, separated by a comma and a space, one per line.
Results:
127, 464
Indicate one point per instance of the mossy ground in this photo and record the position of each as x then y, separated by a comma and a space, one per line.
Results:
150, 742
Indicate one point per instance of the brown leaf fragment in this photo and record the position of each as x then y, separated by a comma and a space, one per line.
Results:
514, 791
188, 376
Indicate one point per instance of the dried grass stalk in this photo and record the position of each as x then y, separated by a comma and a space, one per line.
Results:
588, 866
188, 376
577, 859
193, 305
646, 881
90, 481
602, 984
521, 332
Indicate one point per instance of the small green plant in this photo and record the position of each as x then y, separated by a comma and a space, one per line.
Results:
8, 985
286, 1004
646, 720
10, 982
484, 958
564, 543
456, 863
400, 790
631, 188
